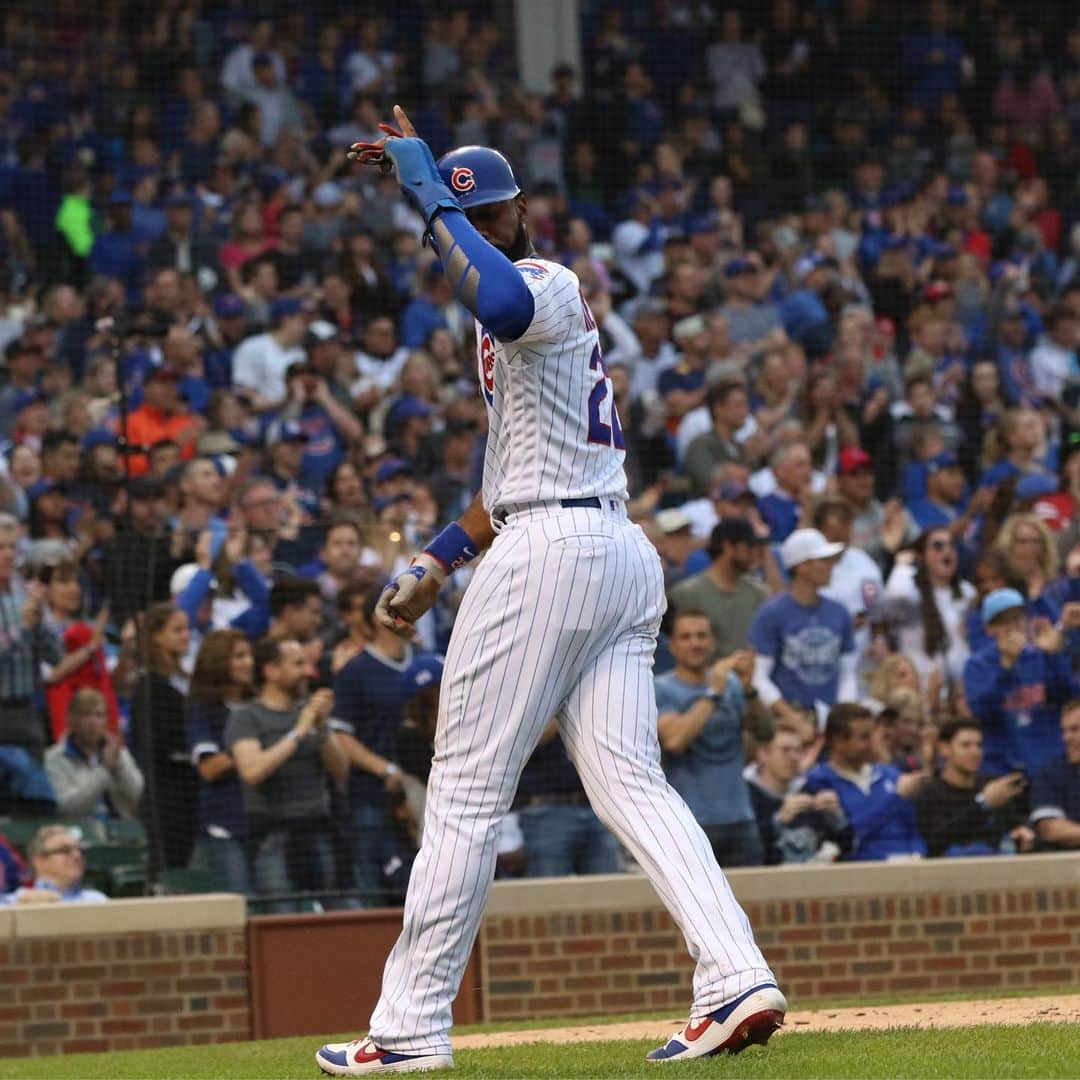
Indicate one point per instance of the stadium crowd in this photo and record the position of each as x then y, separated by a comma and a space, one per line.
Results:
834, 254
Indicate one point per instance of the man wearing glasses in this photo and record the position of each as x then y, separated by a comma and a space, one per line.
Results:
58, 865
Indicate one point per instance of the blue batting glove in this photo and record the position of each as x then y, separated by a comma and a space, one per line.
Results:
419, 177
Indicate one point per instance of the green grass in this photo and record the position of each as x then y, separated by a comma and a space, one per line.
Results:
1036, 1050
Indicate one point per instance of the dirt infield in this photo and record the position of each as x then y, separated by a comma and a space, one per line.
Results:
938, 1014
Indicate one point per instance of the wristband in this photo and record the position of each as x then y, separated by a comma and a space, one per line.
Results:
295, 735
453, 548
391, 770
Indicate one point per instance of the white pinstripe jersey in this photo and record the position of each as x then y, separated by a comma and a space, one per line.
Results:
553, 431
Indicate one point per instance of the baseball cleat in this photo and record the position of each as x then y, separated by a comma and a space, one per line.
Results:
362, 1057
749, 1019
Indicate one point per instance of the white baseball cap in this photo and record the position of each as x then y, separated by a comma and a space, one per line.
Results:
804, 545
672, 520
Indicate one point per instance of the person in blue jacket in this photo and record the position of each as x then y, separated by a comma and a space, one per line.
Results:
875, 797
1016, 684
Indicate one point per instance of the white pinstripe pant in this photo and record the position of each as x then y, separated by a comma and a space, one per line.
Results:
560, 617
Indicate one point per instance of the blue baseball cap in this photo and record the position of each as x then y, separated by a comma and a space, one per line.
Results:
44, 486
120, 197
739, 266
383, 501
178, 198
957, 196
25, 398
478, 175
945, 460
423, 672
228, 306
406, 408
1000, 601
705, 223
1036, 486
97, 437
287, 431
283, 308
390, 468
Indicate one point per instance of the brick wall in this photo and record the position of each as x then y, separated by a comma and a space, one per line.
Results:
907, 936
70, 983
122, 991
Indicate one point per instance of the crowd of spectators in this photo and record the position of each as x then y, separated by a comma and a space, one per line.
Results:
833, 251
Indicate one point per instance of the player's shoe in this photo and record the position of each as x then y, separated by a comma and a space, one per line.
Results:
747, 1020
362, 1057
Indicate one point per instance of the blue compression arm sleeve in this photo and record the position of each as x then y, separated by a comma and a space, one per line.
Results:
485, 280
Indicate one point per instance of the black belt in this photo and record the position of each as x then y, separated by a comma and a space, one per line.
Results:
564, 798
588, 504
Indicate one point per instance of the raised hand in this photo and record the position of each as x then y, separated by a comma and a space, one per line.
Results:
374, 153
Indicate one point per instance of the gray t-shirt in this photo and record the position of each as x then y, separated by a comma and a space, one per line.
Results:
730, 613
296, 790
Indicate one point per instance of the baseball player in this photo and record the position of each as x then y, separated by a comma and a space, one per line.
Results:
560, 618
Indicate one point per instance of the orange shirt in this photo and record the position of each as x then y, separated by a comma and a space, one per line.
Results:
148, 425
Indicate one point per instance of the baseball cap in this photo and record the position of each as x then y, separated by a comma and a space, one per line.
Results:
809, 263
407, 408
145, 488
182, 577
944, 460
228, 306
25, 398
732, 530
178, 198
689, 327
45, 486
806, 545
390, 468
318, 332
97, 437
283, 308
672, 521
217, 442
1036, 486
852, 459
120, 197
956, 196
732, 492
287, 431
424, 671
1000, 601
383, 501
738, 266
937, 290
705, 223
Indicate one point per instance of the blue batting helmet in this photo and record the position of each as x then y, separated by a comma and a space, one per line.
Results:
478, 175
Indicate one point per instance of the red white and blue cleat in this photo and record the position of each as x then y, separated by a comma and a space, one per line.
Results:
362, 1057
749, 1019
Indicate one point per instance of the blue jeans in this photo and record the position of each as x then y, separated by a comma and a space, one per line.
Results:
371, 841
561, 840
275, 873
227, 861
736, 844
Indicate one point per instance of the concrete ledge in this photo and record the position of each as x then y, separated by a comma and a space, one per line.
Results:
212, 911
7, 924
627, 892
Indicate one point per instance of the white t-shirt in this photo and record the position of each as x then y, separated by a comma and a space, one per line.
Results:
1052, 366
857, 584
260, 363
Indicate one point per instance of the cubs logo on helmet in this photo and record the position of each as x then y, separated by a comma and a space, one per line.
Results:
478, 175
461, 179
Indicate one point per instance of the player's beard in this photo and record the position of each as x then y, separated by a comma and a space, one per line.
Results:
521, 245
